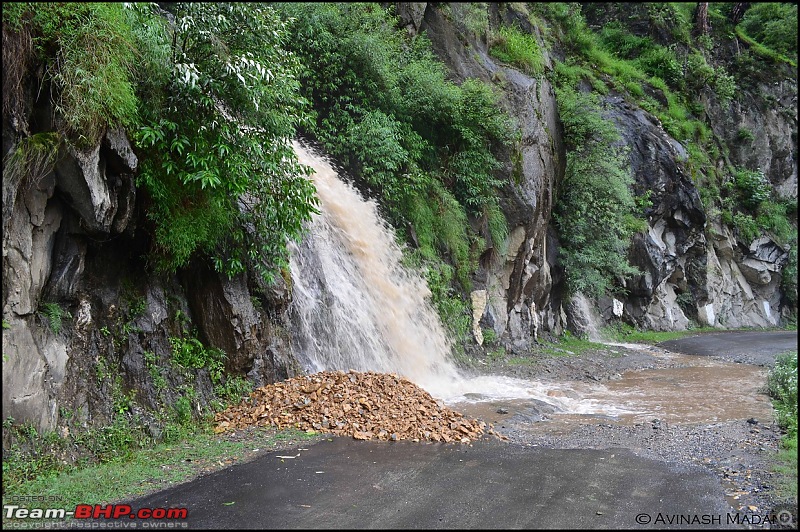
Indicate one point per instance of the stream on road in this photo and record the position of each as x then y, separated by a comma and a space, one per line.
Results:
696, 390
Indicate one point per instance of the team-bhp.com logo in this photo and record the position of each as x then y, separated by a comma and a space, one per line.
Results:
94, 511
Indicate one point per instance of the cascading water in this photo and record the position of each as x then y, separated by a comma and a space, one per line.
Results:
354, 306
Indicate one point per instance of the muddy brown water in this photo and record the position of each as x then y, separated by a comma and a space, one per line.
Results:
697, 390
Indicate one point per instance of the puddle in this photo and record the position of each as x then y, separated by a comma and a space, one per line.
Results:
701, 390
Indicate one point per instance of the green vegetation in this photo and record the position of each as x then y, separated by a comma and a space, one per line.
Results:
595, 209
54, 314
622, 332
670, 81
212, 102
521, 361
217, 140
569, 345
89, 58
773, 26
33, 463
782, 387
189, 352
454, 311
423, 145
512, 46
33, 157
752, 208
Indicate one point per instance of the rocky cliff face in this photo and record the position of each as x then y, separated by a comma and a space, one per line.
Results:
695, 269
88, 331
514, 288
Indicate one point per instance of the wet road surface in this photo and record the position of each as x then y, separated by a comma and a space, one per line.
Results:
749, 347
343, 483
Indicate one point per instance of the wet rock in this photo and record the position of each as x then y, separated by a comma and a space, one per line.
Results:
97, 183
516, 274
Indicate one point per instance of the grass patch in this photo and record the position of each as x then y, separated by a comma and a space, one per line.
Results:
158, 468
519, 49
569, 345
496, 355
626, 333
521, 361
786, 468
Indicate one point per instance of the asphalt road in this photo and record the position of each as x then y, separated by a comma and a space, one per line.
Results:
749, 347
343, 483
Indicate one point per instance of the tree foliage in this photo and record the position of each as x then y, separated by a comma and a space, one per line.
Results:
594, 209
384, 107
219, 166
773, 24
383, 104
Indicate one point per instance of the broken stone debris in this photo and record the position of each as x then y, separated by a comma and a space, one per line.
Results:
364, 405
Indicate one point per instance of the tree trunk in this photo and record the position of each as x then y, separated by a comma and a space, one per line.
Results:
701, 25
737, 13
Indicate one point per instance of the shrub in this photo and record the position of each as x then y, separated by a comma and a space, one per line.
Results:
782, 387
662, 62
189, 352
774, 217
699, 73
514, 47
441, 225
89, 55
774, 25
54, 314
384, 106
789, 277
594, 209
621, 42
752, 187
217, 144
746, 226
745, 135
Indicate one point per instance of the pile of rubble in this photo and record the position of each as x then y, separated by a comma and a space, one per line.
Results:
366, 406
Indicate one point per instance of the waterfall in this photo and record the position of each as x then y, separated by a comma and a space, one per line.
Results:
354, 306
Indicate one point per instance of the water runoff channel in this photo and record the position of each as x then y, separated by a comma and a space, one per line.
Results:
355, 306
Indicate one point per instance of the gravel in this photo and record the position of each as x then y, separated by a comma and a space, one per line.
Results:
364, 405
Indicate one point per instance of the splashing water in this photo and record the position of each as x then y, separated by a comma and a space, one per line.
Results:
354, 306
